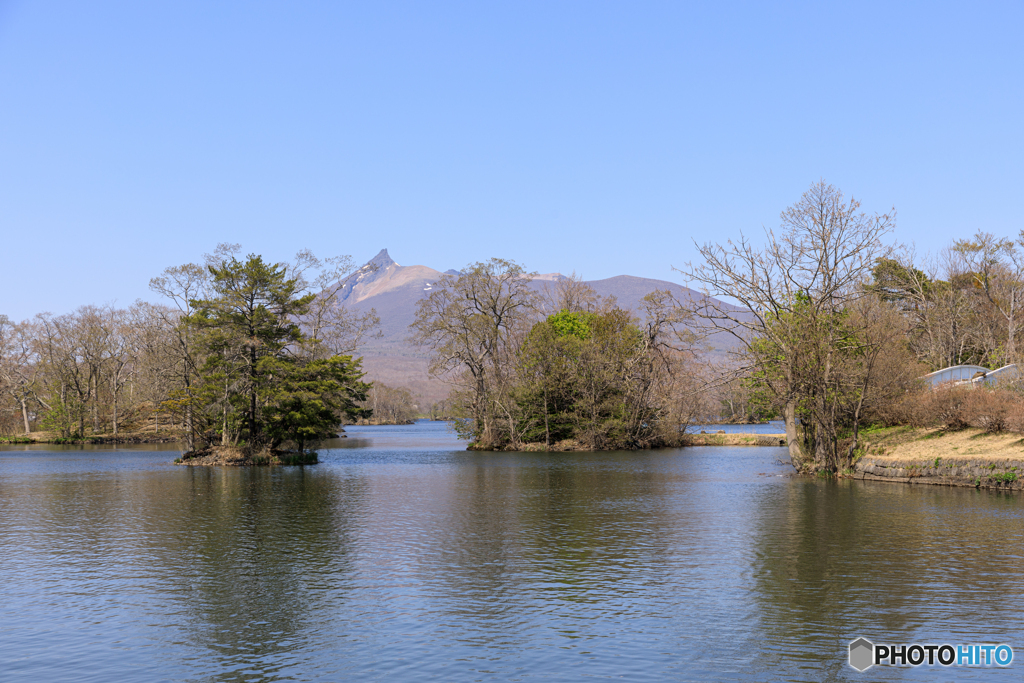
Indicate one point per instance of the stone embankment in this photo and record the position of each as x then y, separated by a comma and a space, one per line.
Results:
968, 457
940, 471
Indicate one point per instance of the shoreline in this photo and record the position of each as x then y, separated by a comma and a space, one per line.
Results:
234, 456
702, 439
971, 458
85, 441
734, 439
964, 472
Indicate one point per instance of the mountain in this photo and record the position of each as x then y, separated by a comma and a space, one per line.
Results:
393, 290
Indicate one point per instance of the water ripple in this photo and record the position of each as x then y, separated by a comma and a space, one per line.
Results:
392, 561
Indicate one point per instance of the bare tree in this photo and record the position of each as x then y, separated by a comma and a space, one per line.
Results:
121, 363
183, 286
331, 327
569, 294
469, 322
389, 405
792, 292
997, 267
882, 368
69, 380
19, 367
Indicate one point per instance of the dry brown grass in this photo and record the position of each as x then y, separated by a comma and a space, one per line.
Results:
919, 445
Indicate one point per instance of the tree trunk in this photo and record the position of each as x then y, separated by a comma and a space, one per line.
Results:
95, 404
547, 431
190, 432
252, 393
789, 416
481, 410
24, 414
856, 425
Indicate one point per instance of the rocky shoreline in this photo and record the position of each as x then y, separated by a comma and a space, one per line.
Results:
941, 471
232, 456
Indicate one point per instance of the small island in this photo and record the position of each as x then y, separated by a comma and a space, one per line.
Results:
268, 388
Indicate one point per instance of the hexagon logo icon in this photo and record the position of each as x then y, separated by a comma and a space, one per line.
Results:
862, 654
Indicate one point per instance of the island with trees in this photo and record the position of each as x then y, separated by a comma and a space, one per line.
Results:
249, 362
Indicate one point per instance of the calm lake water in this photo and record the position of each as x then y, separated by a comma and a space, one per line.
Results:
402, 557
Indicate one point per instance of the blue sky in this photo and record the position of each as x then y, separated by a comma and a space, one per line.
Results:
600, 137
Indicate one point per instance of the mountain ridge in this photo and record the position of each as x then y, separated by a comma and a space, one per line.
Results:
393, 291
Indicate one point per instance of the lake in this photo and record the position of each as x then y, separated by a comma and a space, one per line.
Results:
403, 557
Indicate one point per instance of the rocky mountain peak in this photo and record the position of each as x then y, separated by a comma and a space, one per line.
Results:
370, 271
382, 260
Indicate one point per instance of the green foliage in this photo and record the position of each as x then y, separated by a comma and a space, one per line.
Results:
568, 324
262, 382
63, 418
581, 383
305, 401
814, 359
1005, 477
897, 283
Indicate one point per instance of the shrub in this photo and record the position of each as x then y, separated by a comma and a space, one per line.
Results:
955, 408
1015, 417
990, 409
923, 407
950, 408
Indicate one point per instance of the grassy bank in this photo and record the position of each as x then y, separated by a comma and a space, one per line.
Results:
969, 457
723, 439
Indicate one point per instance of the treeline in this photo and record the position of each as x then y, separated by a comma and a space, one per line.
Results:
239, 352
99, 368
563, 367
388, 405
836, 325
